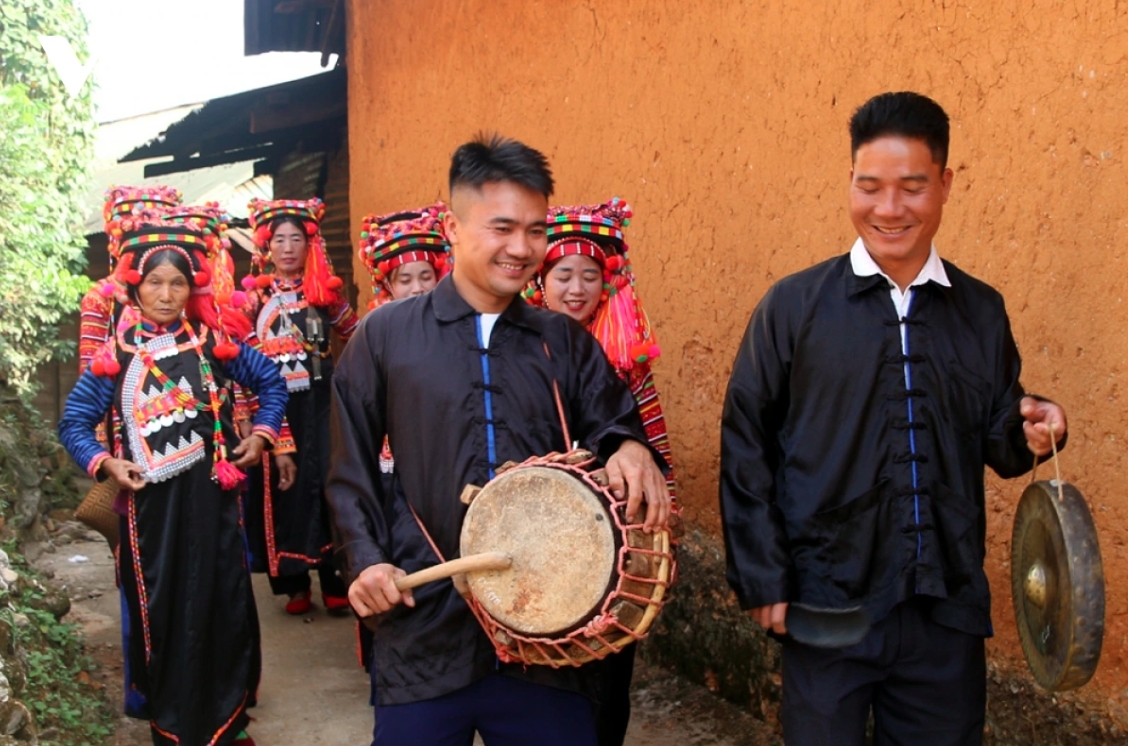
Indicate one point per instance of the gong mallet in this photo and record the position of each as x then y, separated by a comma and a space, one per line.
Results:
822, 627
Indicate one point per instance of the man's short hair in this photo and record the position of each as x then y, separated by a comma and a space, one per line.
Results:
491, 157
904, 114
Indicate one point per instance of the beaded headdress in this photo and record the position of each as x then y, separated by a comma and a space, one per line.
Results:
125, 200
620, 323
222, 266
392, 240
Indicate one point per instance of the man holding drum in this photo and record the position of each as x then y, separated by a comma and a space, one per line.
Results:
867, 396
461, 381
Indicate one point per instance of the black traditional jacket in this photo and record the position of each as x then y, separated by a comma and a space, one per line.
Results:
454, 410
821, 435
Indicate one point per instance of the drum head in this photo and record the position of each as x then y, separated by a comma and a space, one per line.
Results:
562, 540
1057, 585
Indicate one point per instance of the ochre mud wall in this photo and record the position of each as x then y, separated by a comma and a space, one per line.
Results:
724, 124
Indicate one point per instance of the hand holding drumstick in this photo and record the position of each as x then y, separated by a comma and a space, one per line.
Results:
374, 590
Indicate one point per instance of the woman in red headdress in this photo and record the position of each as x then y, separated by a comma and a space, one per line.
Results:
406, 254
105, 300
587, 275
295, 301
190, 626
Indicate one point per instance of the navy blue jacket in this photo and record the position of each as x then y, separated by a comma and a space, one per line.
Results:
841, 485
454, 410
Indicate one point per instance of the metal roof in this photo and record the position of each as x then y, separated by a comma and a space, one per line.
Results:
258, 125
232, 185
294, 26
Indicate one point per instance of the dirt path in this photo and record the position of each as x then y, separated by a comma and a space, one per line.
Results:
313, 692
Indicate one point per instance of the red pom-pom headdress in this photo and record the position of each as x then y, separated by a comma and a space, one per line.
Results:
196, 238
319, 284
122, 201
221, 265
392, 240
596, 231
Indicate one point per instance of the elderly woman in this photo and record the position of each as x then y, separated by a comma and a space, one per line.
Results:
587, 275
192, 654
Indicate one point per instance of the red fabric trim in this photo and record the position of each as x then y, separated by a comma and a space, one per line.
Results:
142, 594
96, 463
576, 247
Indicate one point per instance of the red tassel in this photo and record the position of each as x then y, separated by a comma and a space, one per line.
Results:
133, 277
226, 351
229, 477
112, 368
264, 281
335, 283
249, 283
645, 352
97, 368
201, 278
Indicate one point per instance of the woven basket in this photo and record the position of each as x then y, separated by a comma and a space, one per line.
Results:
96, 510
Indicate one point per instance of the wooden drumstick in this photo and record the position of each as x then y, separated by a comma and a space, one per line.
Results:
470, 563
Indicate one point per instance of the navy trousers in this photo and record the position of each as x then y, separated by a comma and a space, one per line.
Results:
926, 684
506, 711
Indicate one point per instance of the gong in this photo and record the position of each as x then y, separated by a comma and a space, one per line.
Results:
1057, 584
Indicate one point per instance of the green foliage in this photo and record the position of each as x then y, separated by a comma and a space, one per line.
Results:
60, 693
46, 147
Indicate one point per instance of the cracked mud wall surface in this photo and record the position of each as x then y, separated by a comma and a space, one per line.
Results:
724, 125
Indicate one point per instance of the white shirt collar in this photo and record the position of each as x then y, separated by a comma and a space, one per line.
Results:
864, 266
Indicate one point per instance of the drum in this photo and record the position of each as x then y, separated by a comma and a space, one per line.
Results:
551, 568
583, 582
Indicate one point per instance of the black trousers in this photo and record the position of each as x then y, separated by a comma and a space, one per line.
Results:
331, 585
613, 714
926, 684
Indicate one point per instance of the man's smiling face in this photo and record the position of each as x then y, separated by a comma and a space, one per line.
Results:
897, 196
498, 238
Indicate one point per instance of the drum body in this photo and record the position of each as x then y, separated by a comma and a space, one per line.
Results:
583, 584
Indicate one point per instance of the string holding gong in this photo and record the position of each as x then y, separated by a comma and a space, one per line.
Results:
1057, 583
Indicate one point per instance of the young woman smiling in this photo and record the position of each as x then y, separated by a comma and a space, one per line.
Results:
587, 275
